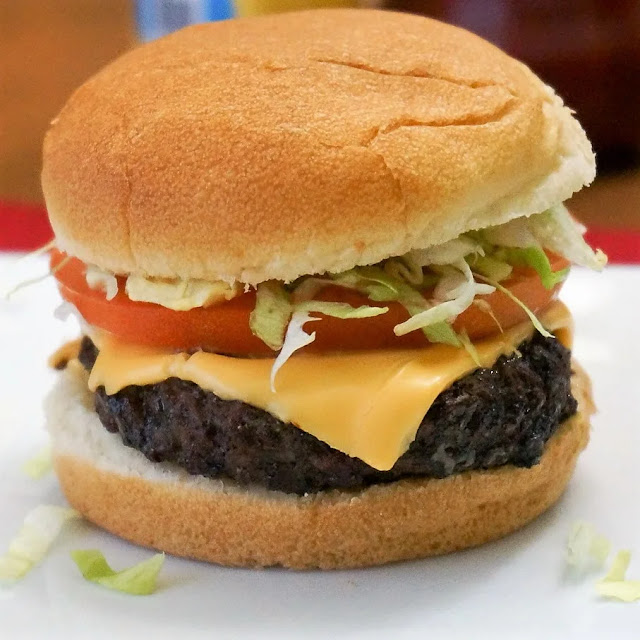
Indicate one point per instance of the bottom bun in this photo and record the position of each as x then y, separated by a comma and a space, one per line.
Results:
160, 506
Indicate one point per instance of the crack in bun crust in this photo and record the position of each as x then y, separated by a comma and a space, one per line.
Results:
158, 506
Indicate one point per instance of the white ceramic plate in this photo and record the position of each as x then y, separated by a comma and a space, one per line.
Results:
513, 588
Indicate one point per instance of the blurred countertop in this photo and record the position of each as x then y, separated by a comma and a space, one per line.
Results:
49, 48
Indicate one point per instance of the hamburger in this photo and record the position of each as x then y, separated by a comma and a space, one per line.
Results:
317, 259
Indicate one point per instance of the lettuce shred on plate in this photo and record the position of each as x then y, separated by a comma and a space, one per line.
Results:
587, 550
455, 274
139, 579
615, 585
40, 464
41, 527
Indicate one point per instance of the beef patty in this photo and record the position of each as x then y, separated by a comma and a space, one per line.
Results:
495, 416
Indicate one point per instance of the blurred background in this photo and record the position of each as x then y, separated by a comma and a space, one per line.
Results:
589, 50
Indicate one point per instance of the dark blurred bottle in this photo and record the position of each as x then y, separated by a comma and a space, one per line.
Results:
588, 50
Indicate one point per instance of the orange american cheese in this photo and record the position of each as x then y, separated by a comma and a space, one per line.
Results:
368, 405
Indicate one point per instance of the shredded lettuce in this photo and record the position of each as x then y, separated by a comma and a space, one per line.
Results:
537, 259
179, 295
405, 268
26, 283
40, 464
457, 289
619, 566
490, 267
381, 286
624, 590
586, 548
557, 231
99, 279
447, 253
437, 284
139, 580
40, 528
532, 316
469, 347
295, 339
37, 252
14, 567
434, 322
375, 283
308, 288
64, 310
554, 230
340, 309
415, 303
515, 233
268, 320
615, 585
31, 281
443, 333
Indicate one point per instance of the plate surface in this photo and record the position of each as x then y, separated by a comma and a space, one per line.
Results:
516, 587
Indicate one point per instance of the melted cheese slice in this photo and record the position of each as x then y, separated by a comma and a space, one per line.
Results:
368, 405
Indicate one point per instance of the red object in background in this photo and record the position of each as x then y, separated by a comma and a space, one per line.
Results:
24, 227
620, 245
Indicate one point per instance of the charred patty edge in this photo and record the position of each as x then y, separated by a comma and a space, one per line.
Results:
494, 416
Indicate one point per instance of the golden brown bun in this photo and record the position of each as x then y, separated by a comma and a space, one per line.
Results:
307, 142
158, 506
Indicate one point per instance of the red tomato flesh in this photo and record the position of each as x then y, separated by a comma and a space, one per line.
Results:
224, 327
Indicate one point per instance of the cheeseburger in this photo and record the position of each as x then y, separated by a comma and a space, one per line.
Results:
317, 259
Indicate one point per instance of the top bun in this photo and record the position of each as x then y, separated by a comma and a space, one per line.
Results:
273, 147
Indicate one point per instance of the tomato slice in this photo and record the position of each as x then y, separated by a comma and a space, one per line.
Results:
224, 327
